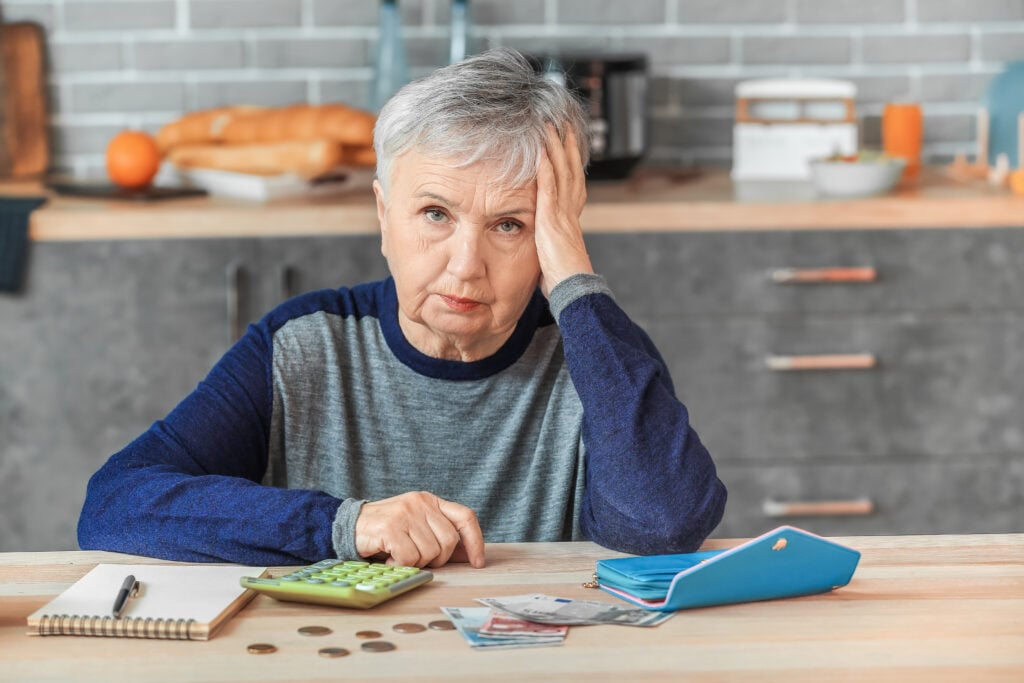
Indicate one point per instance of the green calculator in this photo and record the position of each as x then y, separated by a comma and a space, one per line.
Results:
342, 583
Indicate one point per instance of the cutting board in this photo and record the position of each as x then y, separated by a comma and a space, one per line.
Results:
23, 106
108, 191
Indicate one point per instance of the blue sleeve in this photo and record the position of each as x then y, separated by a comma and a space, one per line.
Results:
651, 486
189, 487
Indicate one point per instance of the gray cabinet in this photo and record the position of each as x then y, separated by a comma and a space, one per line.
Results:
292, 265
108, 336
932, 434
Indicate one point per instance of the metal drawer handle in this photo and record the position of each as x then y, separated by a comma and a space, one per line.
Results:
286, 282
801, 276
828, 361
824, 508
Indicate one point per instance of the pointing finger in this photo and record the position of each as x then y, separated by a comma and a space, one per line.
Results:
468, 527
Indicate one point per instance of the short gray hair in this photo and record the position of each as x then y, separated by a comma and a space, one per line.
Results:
492, 107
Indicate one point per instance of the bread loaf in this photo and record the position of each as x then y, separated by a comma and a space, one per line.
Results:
358, 156
198, 127
307, 158
301, 122
246, 125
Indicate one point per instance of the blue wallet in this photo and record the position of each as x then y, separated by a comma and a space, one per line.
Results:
783, 563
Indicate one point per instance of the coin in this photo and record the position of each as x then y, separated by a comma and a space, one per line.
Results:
378, 646
332, 652
368, 635
315, 630
409, 628
261, 649
441, 625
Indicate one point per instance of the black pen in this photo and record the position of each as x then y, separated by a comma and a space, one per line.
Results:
129, 589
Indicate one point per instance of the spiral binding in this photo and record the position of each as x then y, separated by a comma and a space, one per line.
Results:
124, 627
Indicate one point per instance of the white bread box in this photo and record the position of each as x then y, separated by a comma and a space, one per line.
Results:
781, 124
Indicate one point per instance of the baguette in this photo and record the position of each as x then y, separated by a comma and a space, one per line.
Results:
358, 156
200, 127
309, 158
337, 122
250, 124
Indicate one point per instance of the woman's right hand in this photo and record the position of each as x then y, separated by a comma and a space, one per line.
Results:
419, 529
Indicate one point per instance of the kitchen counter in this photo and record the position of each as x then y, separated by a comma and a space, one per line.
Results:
651, 201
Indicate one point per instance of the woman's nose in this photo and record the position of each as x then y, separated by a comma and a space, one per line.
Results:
466, 260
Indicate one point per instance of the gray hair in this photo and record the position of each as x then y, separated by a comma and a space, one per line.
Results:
492, 107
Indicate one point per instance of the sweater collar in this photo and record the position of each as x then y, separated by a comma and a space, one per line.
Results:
440, 368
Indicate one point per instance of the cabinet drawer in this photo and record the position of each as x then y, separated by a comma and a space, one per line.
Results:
695, 274
294, 265
943, 385
982, 496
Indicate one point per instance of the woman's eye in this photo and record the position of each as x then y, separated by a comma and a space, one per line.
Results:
509, 227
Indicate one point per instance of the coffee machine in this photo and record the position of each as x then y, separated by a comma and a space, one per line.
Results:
613, 89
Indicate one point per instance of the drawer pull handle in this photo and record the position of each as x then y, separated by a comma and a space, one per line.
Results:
286, 282
801, 276
821, 508
828, 361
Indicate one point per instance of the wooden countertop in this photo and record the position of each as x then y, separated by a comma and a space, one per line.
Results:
919, 608
651, 201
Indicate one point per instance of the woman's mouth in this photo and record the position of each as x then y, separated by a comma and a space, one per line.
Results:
457, 303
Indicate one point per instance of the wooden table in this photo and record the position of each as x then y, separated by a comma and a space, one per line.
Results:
919, 608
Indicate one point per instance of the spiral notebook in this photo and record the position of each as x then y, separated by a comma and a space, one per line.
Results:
177, 602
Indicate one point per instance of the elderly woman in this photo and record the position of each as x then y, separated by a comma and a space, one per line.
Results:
490, 388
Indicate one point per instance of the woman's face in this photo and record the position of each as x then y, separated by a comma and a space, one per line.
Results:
461, 249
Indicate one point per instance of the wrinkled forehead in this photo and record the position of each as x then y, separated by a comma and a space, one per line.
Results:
421, 163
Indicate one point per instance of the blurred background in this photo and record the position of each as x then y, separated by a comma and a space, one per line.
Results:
904, 313
141, 63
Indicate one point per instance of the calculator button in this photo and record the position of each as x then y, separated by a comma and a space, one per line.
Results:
344, 583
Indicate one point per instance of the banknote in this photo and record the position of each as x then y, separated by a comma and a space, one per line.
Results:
469, 621
548, 609
501, 625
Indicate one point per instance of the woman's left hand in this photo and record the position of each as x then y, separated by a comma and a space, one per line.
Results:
561, 194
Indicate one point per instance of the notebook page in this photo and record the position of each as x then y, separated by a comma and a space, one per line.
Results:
197, 592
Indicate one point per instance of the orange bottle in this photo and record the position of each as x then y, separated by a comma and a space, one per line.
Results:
902, 135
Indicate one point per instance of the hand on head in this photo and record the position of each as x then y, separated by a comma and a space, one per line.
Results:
418, 529
561, 194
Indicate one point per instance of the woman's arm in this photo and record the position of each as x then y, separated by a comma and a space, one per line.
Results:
188, 488
651, 486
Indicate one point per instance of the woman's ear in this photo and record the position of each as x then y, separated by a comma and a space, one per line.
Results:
378, 192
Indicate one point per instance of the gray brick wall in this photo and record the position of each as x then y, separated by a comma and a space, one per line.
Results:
140, 63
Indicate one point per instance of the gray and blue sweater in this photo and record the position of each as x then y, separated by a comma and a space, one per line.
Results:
571, 430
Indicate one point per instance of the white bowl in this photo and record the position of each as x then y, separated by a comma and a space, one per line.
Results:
862, 178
